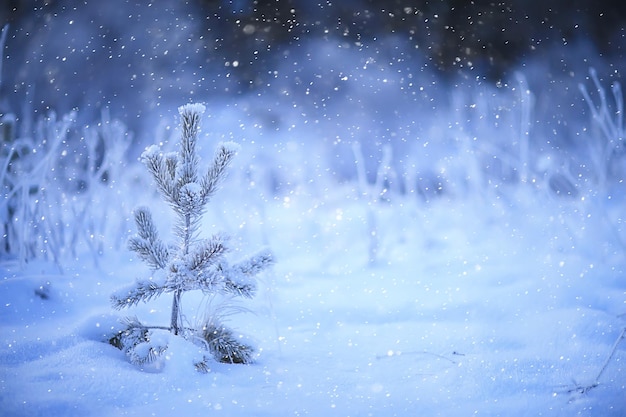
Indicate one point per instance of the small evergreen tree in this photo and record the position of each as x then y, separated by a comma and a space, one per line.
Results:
191, 263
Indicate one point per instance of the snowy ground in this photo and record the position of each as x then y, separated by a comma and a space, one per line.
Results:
472, 309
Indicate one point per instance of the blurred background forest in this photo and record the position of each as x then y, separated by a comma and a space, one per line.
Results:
132, 55
460, 99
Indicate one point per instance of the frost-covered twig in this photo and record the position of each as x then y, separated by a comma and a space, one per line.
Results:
140, 291
147, 243
57, 188
391, 354
583, 389
3, 39
612, 353
610, 143
526, 102
610, 124
372, 194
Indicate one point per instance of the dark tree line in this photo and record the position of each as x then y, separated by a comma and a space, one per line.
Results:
216, 47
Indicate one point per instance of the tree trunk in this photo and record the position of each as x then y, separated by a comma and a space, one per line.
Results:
175, 326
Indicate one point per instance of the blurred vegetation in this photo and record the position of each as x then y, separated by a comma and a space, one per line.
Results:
500, 33
462, 93
488, 38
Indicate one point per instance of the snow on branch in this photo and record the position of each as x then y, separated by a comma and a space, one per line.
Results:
160, 168
190, 121
190, 198
147, 243
206, 253
137, 341
223, 157
239, 277
145, 226
255, 263
187, 167
141, 290
145, 353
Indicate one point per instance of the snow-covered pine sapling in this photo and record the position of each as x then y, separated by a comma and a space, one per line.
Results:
191, 263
